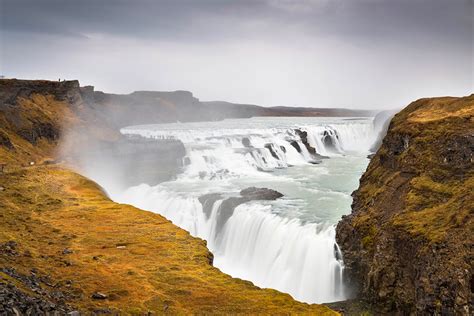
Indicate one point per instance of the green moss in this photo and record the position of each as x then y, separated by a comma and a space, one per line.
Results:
433, 208
368, 240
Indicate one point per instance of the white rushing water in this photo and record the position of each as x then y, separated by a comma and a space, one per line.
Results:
287, 244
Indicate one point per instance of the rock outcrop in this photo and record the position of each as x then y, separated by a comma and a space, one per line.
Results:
408, 243
228, 205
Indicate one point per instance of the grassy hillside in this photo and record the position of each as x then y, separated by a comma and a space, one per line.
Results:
65, 228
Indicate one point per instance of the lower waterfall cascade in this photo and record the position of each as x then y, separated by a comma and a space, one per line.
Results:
289, 243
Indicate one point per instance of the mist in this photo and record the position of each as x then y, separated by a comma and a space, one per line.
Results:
362, 54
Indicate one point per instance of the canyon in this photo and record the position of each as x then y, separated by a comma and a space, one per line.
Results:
407, 245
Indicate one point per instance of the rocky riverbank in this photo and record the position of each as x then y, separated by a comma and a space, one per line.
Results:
408, 243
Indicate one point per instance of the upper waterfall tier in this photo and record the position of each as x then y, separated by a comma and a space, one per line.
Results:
234, 148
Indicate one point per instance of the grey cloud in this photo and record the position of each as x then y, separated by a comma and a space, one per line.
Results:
216, 20
368, 53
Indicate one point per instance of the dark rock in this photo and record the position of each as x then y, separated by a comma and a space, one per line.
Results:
304, 139
208, 201
295, 144
254, 193
246, 142
50, 162
16, 301
39, 130
5, 141
312, 151
9, 248
67, 251
227, 207
330, 138
272, 151
99, 296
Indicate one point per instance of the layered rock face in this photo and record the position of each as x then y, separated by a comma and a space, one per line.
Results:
408, 243
32, 114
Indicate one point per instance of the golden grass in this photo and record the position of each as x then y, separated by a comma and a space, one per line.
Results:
434, 208
441, 108
139, 259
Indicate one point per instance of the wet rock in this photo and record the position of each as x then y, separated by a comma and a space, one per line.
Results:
295, 144
317, 158
304, 139
208, 201
328, 140
227, 207
254, 193
272, 151
246, 142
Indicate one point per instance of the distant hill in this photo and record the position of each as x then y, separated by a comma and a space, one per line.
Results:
147, 107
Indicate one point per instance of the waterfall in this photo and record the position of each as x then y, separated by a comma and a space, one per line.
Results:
287, 244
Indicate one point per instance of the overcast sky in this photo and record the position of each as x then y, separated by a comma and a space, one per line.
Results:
322, 53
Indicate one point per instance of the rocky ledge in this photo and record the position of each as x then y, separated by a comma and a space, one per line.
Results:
229, 204
408, 243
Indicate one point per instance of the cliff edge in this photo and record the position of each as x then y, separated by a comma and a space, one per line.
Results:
408, 243
65, 246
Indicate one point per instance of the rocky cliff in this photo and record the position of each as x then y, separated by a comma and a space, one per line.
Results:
408, 243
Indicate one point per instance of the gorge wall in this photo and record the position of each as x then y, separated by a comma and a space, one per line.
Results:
408, 244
